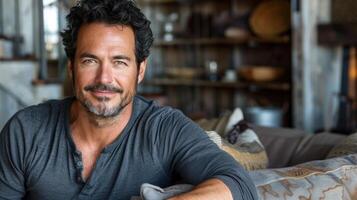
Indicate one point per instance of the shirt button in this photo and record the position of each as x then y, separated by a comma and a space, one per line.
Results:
79, 164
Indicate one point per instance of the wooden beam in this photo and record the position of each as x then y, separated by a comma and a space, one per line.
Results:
337, 34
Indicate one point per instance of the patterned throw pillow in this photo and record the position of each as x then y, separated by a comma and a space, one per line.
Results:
245, 147
323, 179
153, 192
346, 147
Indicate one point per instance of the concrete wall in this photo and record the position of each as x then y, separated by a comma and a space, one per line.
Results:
26, 23
316, 69
17, 90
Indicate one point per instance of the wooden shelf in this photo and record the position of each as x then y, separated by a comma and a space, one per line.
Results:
284, 86
222, 41
164, 2
18, 59
47, 81
158, 2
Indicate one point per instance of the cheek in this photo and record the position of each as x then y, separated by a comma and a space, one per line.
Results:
133, 79
126, 77
84, 78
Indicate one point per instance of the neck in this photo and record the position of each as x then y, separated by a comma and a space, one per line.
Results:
89, 131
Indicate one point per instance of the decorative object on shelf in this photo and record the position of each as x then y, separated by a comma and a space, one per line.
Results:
211, 68
169, 25
271, 18
237, 33
238, 27
182, 72
260, 73
264, 116
230, 75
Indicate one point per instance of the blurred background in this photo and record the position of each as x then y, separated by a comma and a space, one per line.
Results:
286, 63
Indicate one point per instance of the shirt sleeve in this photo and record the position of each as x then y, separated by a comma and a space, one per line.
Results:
12, 184
189, 153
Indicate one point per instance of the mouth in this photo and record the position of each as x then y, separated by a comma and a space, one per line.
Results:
102, 91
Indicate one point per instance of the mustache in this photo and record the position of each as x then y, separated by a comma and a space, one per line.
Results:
103, 87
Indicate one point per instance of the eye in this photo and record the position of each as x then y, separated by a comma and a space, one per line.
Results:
120, 63
89, 61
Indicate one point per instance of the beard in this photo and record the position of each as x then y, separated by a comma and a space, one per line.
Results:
102, 108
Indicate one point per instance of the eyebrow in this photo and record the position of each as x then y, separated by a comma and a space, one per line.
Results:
88, 55
119, 57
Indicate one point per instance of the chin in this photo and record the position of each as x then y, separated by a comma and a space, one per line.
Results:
103, 110
105, 107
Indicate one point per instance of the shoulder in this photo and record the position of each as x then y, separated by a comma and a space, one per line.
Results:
34, 120
167, 123
158, 114
40, 112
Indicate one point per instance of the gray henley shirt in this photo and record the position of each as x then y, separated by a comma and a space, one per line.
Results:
159, 145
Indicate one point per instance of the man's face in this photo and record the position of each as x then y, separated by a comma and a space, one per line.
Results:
105, 69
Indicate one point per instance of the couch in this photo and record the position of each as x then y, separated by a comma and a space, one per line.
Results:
299, 165
287, 147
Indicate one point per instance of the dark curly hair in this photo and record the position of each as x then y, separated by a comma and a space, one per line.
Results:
121, 12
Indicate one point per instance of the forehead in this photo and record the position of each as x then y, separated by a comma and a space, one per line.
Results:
101, 36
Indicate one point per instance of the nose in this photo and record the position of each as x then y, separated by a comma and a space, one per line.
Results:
105, 73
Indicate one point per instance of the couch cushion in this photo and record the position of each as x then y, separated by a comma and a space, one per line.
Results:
347, 146
315, 147
325, 179
288, 147
280, 143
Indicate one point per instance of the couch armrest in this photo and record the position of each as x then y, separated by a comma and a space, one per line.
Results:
324, 179
279, 143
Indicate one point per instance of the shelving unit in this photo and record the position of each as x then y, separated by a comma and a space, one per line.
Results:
223, 41
278, 86
202, 96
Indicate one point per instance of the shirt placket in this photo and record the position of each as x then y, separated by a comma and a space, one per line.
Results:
89, 185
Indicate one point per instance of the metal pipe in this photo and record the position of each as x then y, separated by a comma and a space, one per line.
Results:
61, 56
43, 58
1, 18
17, 36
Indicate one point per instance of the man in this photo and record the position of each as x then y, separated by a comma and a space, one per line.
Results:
105, 142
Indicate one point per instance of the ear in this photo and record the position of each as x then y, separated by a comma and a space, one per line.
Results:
70, 69
142, 69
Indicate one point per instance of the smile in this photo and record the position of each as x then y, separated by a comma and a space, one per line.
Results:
103, 94
101, 91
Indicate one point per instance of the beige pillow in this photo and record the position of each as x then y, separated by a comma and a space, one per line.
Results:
251, 155
216, 124
247, 149
346, 147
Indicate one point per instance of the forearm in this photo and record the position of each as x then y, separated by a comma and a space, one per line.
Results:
210, 189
